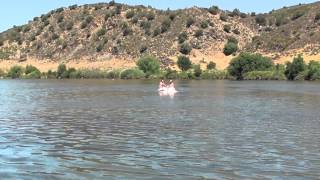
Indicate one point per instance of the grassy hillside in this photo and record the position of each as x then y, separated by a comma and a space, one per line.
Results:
100, 32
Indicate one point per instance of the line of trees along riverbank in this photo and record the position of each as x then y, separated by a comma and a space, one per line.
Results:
246, 66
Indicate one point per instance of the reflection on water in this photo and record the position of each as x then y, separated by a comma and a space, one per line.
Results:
96, 129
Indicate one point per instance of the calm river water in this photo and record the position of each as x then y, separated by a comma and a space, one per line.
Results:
103, 129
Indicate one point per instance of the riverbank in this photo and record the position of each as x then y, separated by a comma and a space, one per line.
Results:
246, 66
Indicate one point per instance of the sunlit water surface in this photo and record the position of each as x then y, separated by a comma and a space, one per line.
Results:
101, 129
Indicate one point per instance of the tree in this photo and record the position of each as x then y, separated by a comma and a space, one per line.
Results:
247, 62
190, 22
184, 63
295, 67
62, 69
15, 72
214, 10
165, 25
182, 37
149, 65
197, 70
227, 28
130, 14
185, 48
261, 20
313, 71
211, 65
230, 48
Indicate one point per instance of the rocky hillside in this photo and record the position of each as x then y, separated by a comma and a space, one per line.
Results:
104, 31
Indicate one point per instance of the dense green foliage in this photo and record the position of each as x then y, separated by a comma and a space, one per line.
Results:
261, 20
185, 48
15, 72
182, 37
197, 70
264, 75
295, 67
149, 65
31, 72
214, 10
313, 71
132, 74
190, 22
230, 48
247, 62
62, 71
184, 63
211, 65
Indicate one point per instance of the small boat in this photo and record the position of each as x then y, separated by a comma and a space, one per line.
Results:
167, 90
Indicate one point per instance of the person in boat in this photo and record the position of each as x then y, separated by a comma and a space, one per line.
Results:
171, 86
162, 84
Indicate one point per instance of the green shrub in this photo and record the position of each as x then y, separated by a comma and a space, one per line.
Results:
313, 71
211, 65
235, 12
33, 75
185, 75
182, 37
2, 73
261, 20
72, 7
198, 33
297, 15
135, 20
317, 17
185, 48
132, 74
197, 70
143, 49
59, 10
247, 62
214, 74
26, 28
190, 22
236, 31
145, 25
61, 72
156, 32
118, 9
15, 72
99, 47
60, 19
214, 10
150, 16
149, 65
114, 50
230, 48
232, 39
165, 25
295, 67
243, 15
172, 15
113, 74
223, 17
227, 28
170, 74
204, 24
264, 75
29, 69
101, 32
127, 31
184, 63
69, 25
130, 14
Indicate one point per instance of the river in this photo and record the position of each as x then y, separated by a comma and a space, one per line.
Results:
103, 129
